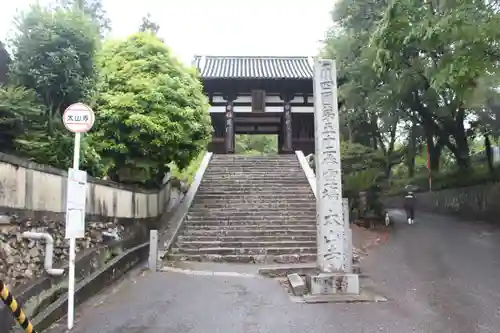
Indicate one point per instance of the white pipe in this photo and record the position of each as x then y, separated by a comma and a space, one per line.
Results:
113, 235
49, 250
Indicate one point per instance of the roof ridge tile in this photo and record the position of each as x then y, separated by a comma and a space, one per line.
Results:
254, 67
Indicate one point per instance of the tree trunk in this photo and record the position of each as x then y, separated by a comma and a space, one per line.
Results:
412, 151
489, 153
433, 149
461, 153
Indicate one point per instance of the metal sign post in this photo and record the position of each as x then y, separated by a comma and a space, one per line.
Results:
77, 118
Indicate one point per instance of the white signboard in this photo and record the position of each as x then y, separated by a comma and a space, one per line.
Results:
75, 203
78, 118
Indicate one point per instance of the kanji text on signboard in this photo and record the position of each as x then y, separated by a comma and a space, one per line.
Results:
78, 118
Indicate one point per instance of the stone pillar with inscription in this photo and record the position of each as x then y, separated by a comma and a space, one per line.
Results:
287, 117
229, 138
333, 231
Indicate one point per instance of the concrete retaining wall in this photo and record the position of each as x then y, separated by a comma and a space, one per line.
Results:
480, 202
29, 186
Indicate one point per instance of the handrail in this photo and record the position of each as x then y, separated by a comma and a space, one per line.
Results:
308, 171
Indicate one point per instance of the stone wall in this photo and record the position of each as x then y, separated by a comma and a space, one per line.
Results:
33, 198
480, 202
30, 186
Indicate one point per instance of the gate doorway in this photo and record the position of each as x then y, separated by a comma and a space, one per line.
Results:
256, 144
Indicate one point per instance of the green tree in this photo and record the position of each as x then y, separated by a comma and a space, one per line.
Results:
444, 50
4, 64
92, 8
417, 72
151, 110
54, 55
256, 144
19, 112
148, 24
371, 109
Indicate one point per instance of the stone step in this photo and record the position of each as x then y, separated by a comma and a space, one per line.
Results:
262, 223
280, 190
274, 182
256, 199
253, 232
271, 196
253, 205
245, 250
255, 181
231, 222
276, 172
268, 184
253, 191
254, 157
253, 172
254, 167
256, 238
250, 159
258, 219
264, 156
245, 173
245, 258
255, 161
250, 216
245, 244
226, 157
239, 201
295, 211
251, 178
300, 209
249, 186
259, 228
252, 200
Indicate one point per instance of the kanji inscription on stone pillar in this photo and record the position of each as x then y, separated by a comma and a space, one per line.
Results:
331, 230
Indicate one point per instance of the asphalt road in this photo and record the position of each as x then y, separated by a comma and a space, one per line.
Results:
440, 275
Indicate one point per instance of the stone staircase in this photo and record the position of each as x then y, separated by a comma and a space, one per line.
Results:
250, 210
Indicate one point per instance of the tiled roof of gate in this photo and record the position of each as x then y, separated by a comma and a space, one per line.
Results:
212, 67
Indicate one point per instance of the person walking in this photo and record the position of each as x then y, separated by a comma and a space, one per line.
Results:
410, 207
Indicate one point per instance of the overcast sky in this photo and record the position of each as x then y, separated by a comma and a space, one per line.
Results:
217, 27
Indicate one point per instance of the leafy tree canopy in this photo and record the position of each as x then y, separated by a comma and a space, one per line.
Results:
4, 64
54, 55
19, 111
147, 24
53, 65
416, 74
92, 8
256, 144
151, 110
